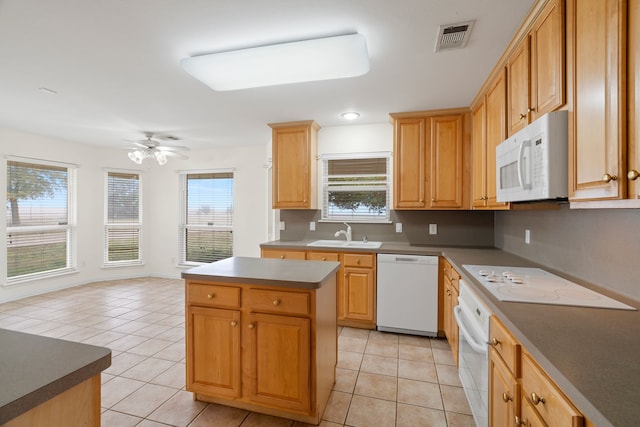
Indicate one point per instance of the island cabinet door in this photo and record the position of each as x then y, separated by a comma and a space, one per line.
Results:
278, 361
213, 351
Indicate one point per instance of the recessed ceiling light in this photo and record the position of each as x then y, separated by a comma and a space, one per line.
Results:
350, 115
301, 61
47, 90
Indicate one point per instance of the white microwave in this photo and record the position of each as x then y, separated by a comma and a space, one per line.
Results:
532, 164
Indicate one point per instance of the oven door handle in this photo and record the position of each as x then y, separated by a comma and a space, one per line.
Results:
477, 346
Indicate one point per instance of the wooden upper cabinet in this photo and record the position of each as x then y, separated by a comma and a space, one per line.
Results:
633, 100
430, 155
409, 163
519, 83
496, 127
447, 157
478, 156
597, 152
294, 152
536, 69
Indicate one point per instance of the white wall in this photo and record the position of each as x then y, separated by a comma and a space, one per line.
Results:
355, 139
160, 205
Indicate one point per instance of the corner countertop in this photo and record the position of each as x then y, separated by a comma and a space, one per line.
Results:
34, 369
265, 271
590, 353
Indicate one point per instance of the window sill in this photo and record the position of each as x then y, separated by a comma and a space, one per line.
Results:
120, 265
39, 276
355, 221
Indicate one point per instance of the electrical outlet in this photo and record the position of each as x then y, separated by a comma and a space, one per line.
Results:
398, 227
433, 228
281, 225
527, 236
312, 226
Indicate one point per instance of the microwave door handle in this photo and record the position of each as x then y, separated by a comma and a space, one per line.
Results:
521, 164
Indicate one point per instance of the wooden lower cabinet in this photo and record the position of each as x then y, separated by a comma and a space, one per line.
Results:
450, 297
356, 288
270, 349
520, 392
504, 392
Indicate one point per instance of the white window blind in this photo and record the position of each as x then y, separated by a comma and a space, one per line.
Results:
356, 189
39, 230
122, 219
207, 229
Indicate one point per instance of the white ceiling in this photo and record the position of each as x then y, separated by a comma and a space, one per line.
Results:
115, 64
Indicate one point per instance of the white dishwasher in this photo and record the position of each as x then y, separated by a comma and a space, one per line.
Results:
407, 294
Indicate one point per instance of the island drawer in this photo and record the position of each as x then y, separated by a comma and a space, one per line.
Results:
506, 345
213, 295
276, 301
359, 260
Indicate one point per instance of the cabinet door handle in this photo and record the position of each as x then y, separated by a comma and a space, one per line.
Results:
324, 258
535, 399
276, 301
211, 296
633, 175
281, 256
495, 341
520, 421
234, 323
251, 326
506, 397
606, 178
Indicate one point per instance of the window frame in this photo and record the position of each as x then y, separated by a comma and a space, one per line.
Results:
135, 225
324, 186
183, 226
70, 227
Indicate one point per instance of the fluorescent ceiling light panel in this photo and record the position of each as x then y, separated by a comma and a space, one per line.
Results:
303, 61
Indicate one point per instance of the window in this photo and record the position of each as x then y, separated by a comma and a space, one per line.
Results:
356, 189
122, 219
207, 226
40, 239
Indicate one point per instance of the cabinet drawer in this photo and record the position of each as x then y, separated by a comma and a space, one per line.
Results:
276, 301
552, 406
213, 295
283, 254
322, 256
506, 345
359, 260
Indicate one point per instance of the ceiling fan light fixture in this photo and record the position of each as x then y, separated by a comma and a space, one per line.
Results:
136, 156
300, 61
161, 158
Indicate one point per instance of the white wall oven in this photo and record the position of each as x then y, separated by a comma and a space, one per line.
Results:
472, 316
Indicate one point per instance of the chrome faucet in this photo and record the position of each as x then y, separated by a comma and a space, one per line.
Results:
347, 232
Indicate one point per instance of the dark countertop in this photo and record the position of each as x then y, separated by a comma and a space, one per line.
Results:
34, 369
592, 354
265, 271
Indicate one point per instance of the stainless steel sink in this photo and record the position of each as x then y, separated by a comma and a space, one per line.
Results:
345, 244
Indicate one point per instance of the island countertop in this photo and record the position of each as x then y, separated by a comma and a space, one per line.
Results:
34, 369
266, 271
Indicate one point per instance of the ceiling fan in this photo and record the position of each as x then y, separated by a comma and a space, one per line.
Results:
150, 148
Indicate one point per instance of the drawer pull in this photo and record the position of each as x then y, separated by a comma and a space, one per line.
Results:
281, 256
506, 397
495, 341
358, 261
234, 323
251, 326
210, 296
276, 302
324, 258
520, 421
535, 399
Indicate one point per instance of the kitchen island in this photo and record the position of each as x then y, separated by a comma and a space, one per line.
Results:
261, 335
49, 382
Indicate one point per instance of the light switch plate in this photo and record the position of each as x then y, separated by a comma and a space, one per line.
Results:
398, 227
312, 226
527, 236
433, 228
281, 225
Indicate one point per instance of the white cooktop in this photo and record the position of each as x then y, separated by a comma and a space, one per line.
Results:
534, 285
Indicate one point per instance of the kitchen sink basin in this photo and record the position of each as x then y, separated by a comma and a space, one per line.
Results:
345, 244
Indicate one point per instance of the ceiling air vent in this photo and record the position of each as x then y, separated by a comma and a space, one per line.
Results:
453, 36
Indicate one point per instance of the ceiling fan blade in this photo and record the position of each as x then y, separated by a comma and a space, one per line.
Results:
174, 154
172, 148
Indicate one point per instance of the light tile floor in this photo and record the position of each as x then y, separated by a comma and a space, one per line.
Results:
382, 379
